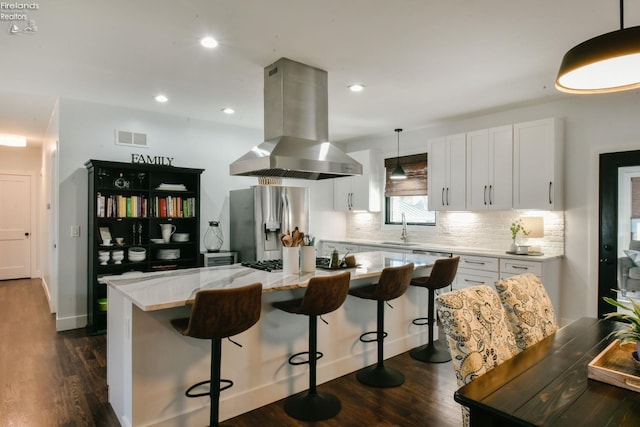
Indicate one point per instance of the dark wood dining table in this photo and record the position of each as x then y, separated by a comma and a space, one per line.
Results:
547, 385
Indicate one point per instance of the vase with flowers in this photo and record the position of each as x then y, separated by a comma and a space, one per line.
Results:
630, 333
517, 227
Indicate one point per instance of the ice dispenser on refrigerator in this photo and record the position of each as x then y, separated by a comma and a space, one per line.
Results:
260, 213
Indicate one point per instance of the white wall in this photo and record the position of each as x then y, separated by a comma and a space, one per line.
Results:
593, 125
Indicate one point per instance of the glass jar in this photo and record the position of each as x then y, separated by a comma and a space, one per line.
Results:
213, 237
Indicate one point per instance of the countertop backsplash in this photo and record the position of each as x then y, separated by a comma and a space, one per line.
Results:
486, 230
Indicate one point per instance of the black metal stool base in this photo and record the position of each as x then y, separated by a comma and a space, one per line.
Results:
308, 406
431, 353
380, 376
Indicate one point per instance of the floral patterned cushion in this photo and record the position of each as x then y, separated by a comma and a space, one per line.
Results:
528, 308
477, 332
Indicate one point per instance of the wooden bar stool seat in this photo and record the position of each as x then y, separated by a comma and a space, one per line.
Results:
442, 275
322, 295
393, 282
217, 314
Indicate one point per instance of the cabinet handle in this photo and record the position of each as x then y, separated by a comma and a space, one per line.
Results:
447, 196
550, 184
520, 267
491, 194
474, 262
349, 200
479, 282
485, 195
442, 196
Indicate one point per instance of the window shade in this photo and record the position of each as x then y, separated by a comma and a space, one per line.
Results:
415, 167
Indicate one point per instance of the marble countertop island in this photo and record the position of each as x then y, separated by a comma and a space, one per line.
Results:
150, 365
167, 289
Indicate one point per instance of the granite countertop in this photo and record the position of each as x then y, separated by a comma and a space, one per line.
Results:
160, 290
411, 246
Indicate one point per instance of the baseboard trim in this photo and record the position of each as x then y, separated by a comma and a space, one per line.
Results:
73, 322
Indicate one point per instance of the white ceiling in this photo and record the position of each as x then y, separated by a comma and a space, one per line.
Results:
422, 61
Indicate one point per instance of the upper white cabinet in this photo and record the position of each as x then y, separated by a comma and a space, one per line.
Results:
447, 171
489, 168
538, 154
360, 193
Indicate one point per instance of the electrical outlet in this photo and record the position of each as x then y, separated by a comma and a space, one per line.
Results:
75, 231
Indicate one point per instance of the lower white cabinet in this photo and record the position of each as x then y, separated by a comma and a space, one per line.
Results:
476, 270
548, 271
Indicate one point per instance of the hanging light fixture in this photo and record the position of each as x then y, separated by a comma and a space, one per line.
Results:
606, 63
398, 172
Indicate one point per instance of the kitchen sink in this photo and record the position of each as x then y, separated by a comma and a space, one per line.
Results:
397, 243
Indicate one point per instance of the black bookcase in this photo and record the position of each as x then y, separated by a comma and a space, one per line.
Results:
130, 201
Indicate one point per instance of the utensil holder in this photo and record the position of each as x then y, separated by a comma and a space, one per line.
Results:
291, 259
308, 259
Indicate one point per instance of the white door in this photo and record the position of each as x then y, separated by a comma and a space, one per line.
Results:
15, 220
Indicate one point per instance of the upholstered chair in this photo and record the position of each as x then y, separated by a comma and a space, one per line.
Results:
478, 333
528, 308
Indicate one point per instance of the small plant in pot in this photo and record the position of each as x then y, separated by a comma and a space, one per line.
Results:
631, 317
516, 227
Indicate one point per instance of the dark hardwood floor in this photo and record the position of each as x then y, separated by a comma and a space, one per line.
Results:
50, 378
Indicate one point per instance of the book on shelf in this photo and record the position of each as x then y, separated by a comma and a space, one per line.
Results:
173, 207
119, 206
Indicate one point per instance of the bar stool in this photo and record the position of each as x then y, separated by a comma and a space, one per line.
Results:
323, 295
442, 274
217, 314
393, 282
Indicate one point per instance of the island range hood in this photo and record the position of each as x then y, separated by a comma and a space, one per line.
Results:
296, 128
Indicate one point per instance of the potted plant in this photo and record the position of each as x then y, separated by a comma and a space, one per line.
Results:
631, 316
516, 227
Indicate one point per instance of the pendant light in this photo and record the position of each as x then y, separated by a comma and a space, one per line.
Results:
606, 63
398, 172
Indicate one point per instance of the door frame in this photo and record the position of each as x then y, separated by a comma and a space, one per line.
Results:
608, 222
34, 258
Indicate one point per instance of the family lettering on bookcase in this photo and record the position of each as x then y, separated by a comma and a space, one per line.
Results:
151, 160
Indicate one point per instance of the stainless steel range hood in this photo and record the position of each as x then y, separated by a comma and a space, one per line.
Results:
296, 128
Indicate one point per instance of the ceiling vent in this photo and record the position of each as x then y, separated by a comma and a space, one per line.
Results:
131, 139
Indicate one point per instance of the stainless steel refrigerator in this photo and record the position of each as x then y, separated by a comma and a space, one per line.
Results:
260, 213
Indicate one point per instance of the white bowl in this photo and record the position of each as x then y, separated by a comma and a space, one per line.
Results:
180, 237
165, 254
157, 240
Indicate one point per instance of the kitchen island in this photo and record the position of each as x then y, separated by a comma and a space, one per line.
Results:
150, 365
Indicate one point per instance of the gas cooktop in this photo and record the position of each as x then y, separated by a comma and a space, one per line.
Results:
276, 264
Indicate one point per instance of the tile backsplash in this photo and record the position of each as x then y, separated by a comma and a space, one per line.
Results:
482, 230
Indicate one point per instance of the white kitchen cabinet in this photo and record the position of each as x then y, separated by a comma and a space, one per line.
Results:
538, 158
490, 169
364, 192
447, 173
548, 271
476, 270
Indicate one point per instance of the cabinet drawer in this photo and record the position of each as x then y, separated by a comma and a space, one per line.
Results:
466, 278
513, 267
478, 263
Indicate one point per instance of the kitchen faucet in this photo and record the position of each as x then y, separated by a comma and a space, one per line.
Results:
404, 235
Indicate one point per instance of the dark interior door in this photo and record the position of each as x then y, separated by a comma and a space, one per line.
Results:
608, 241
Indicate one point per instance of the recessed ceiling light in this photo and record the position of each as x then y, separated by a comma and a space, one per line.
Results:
161, 98
228, 110
208, 42
13, 140
356, 87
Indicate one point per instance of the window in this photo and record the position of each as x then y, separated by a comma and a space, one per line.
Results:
408, 196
